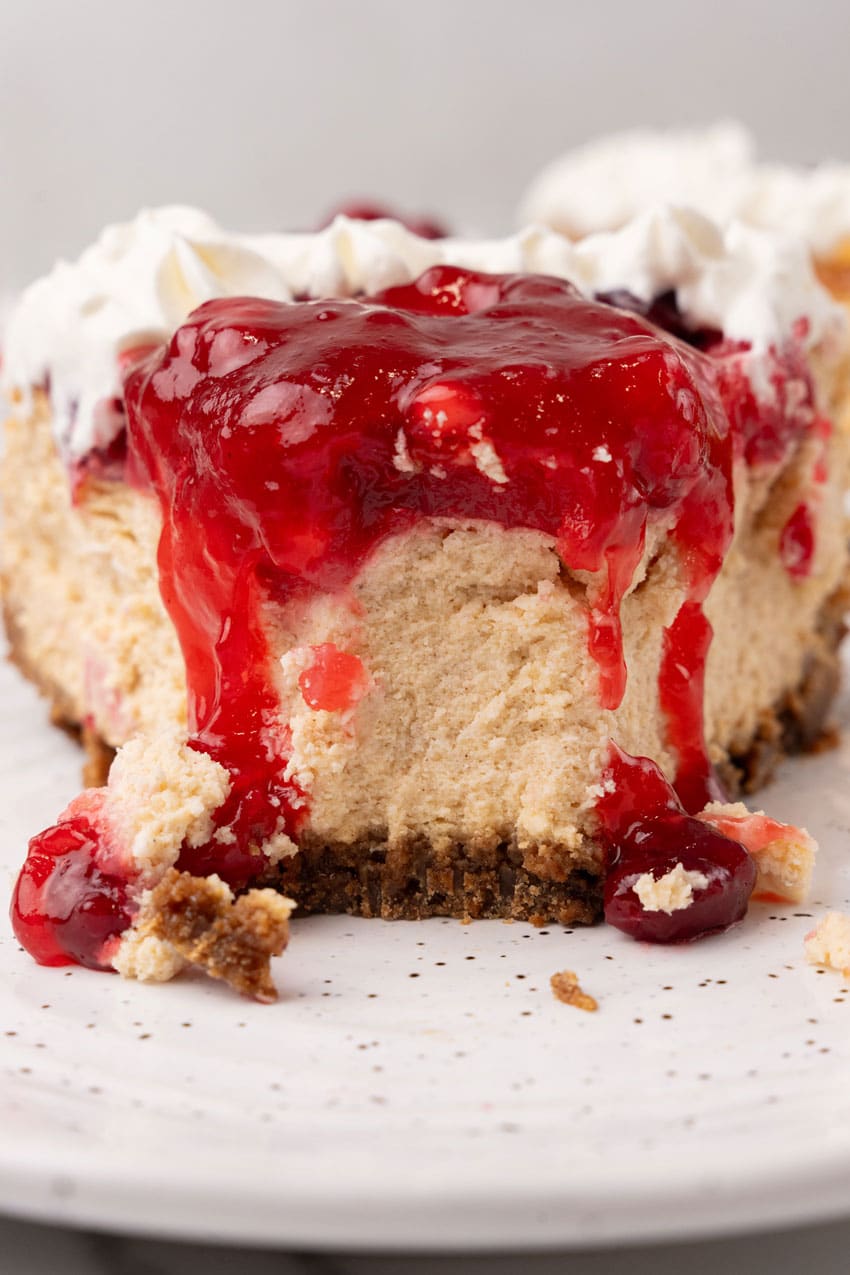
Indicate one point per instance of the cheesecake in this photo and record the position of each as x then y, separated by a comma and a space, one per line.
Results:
410, 577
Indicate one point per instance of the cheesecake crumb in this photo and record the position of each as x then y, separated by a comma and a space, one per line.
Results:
147, 958
279, 845
828, 944
566, 988
784, 855
197, 920
670, 893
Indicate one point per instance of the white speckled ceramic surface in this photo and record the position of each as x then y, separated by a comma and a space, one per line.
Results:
418, 1085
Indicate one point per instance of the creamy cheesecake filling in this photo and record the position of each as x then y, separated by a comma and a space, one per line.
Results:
291, 446
81, 590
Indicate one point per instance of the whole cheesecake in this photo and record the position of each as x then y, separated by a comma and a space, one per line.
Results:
420, 577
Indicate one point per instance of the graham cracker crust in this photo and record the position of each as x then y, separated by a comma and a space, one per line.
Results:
416, 881
413, 882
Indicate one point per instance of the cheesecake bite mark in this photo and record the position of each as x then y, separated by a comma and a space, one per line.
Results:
519, 402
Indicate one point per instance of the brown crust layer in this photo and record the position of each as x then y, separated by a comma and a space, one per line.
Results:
414, 882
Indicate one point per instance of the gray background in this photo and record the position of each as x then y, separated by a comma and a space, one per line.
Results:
266, 111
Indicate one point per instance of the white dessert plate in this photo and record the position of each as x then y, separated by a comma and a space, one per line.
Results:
417, 1085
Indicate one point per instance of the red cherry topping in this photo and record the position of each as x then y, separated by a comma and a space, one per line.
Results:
646, 830
70, 901
681, 686
657, 846
285, 442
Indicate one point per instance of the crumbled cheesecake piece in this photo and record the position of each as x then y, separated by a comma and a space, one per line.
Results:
828, 944
197, 920
144, 957
784, 855
670, 893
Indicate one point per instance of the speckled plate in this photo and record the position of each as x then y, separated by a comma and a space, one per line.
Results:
417, 1085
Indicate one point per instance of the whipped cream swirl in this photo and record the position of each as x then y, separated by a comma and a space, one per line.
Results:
141, 280
602, 185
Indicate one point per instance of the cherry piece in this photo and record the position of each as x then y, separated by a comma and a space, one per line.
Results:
67, 905
656, 846
335, 680
646, 830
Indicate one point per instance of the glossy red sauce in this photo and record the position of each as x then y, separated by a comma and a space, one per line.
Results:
646, 830
768, 413
73, 895
286, 441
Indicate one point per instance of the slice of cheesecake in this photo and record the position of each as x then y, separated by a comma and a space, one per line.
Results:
434, 581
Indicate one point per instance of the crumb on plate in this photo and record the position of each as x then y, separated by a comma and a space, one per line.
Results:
566, 988
828, 944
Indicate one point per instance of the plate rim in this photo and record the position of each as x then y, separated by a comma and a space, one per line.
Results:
136, 1201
